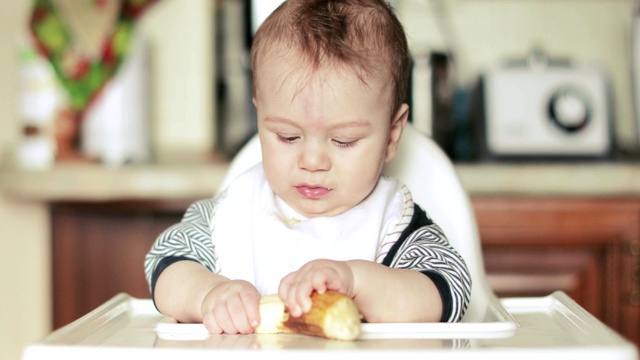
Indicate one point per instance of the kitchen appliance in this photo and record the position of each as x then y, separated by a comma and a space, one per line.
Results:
235, 111
431, 99
237, 22
544, 108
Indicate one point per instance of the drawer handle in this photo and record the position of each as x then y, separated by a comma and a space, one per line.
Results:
634, 299
635, 248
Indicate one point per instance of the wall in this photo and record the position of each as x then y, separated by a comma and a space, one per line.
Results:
24, 227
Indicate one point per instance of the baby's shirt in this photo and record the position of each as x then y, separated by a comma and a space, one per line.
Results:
248, 233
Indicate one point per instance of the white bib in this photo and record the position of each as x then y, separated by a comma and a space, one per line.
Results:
257, 237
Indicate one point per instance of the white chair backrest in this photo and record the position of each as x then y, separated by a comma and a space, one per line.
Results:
434, 184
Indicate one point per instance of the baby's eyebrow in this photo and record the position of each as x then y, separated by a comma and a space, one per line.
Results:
354, 123
280, 120
337, 126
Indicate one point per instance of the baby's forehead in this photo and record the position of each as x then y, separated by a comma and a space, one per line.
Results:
284, 63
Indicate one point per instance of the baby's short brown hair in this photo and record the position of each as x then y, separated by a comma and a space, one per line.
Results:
365, 34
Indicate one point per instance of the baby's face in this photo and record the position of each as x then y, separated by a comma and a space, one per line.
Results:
325, 134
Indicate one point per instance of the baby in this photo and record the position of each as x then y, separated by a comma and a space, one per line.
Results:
330, 83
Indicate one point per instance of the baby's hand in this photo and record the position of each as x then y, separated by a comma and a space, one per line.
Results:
231, 307
318, 275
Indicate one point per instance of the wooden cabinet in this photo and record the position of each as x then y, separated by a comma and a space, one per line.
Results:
588, 248
98, 251
532, 246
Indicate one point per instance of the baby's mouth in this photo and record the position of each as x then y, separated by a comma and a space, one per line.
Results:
313, 192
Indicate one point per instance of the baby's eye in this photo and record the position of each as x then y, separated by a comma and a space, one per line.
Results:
344, 144
288, 139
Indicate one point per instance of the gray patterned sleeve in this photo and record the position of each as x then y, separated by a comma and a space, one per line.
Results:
427, 250
189, 239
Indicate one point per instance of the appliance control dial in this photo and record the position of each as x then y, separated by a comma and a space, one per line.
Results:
569, 109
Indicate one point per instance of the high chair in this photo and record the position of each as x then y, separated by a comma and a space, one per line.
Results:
434, 184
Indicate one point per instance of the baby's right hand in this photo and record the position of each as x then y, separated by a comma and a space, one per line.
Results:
231, 307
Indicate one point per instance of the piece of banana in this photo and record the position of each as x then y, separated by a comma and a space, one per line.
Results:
333, 315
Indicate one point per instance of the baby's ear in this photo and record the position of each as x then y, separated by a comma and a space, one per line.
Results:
397, 124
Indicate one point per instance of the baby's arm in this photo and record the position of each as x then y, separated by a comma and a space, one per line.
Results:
421, 276
428, 252
181, 270
189, 292
382, 294
386, 294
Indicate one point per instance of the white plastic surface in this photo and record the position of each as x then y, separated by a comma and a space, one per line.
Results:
497, 324
552, 327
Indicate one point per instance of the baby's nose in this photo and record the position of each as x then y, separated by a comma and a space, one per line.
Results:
314, 157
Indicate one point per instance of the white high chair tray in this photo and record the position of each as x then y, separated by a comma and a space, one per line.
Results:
497, 322
553, 327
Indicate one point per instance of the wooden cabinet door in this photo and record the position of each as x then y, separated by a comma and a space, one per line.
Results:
533, 246
99, 249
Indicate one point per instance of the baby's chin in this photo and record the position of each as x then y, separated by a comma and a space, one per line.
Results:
316, 208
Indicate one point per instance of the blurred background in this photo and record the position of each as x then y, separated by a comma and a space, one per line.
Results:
534, 90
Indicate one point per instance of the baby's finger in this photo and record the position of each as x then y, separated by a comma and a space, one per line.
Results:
210, 323
289, 296
238, 315
223, 317
331, 281
252, 309
285, 286
302, 296
320, 280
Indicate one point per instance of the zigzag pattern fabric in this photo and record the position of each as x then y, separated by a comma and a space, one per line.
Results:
190, 238
427, 249
392, 237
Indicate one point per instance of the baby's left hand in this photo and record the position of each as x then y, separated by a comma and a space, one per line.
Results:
317, 275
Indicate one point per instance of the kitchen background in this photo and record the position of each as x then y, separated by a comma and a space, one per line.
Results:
181, 38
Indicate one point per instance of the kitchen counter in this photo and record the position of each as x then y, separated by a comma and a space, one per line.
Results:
92, 182
169, 180
597, 179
